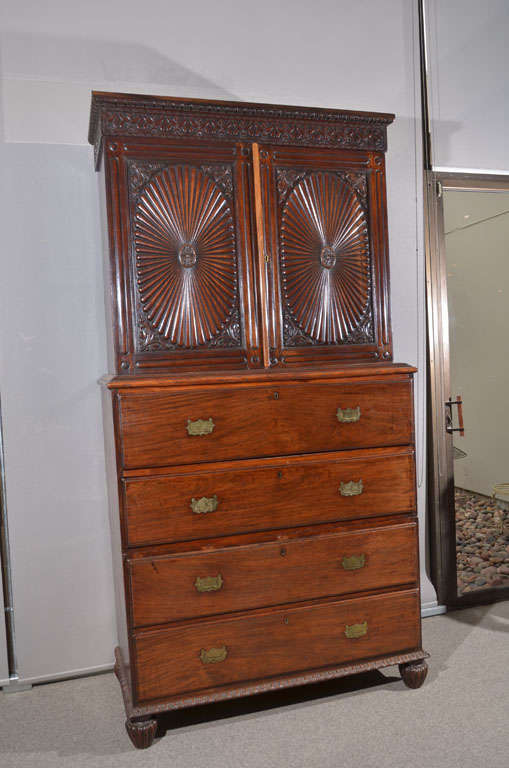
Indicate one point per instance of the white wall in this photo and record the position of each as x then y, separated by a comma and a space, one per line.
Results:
52, 354
4, 661
327, 53
468, 58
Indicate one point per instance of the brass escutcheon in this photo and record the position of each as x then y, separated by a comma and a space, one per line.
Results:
204, 505
353, 631
348, 415
351, 488
213, 655
208, 583
354, 562
200, 427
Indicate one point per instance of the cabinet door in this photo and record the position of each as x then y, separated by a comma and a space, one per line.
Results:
324, 237
181, 242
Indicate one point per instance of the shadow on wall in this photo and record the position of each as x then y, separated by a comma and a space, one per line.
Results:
57, 75
59, 59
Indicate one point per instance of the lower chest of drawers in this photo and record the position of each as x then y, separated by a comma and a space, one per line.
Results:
265, 531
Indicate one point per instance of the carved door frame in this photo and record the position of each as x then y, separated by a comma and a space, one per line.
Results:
283, 172
132, 167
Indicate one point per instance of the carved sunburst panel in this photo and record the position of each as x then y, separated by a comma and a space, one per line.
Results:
325, 263
185, 260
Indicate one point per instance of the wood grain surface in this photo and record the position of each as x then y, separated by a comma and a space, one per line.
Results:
262, 421
274, 642
164, 589
267, 494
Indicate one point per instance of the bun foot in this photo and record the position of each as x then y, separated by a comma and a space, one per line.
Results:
414, 673
141, 732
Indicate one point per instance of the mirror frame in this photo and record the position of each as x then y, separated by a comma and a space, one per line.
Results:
442, 522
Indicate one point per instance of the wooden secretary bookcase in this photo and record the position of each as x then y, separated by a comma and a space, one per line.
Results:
260, 439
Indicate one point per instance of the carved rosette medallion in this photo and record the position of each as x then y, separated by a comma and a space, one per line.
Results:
186, 264
325, 263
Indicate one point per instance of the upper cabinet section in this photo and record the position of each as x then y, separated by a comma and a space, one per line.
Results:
242, 235
180, 248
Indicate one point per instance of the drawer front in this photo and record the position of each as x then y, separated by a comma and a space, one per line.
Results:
188, 505
208, 424
206, 654
169, 588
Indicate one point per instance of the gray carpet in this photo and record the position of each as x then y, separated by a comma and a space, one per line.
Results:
459, 719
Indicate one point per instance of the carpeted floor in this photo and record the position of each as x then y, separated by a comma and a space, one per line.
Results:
459, 719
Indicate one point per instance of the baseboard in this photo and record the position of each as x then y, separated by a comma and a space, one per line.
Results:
57, 676
13, 685
432, 609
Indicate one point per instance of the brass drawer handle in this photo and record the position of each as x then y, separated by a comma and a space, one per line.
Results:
353, 631
348, 415
204, 505
213, 655
200, 427
208, 583
351, 488
354, 562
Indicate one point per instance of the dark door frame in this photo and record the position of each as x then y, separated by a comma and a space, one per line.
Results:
440, 448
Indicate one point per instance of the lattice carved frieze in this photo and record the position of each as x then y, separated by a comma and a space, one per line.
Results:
339, 136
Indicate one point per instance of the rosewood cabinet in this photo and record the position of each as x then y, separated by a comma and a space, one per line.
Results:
260, 440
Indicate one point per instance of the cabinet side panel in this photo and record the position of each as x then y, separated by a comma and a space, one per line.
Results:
109, 407
108, 298
114, 289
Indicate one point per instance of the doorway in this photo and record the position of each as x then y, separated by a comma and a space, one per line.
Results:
468, 314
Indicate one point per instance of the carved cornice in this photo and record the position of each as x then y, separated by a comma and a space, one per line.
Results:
115, 114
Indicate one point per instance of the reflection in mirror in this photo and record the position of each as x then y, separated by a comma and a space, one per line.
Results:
476, 225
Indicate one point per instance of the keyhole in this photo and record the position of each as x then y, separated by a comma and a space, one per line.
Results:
276, 395
285, 620
282, 551
280, 475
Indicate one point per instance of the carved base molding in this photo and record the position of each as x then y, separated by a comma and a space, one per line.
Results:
411, 666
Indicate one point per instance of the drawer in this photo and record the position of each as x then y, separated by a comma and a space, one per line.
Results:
203, 424
169, 588
194, 503
204, 654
